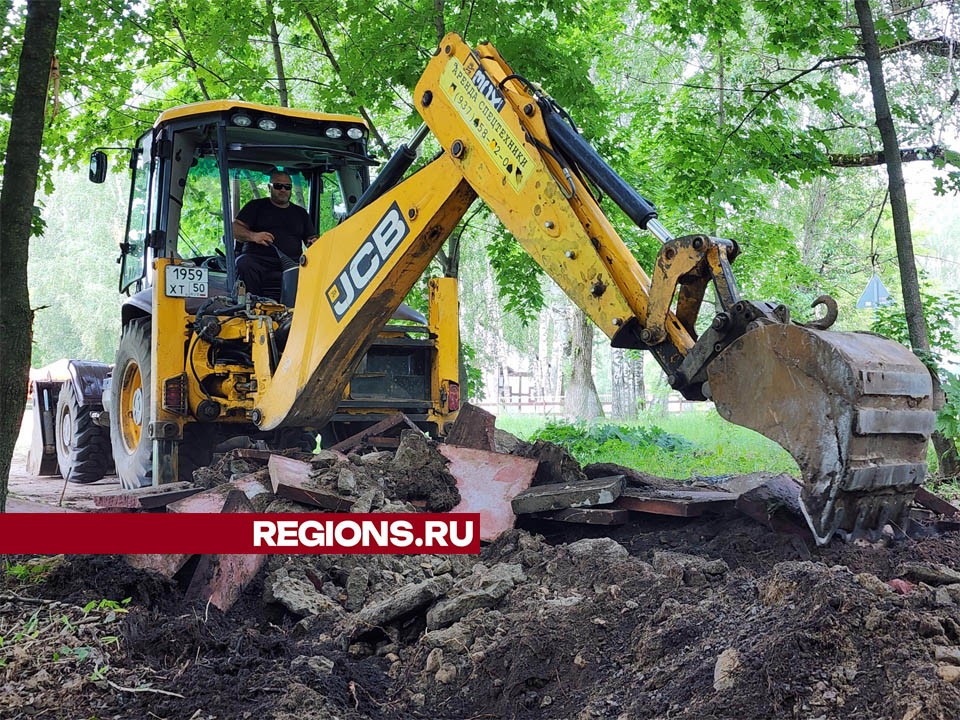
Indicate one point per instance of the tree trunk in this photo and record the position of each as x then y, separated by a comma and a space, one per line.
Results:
581, 401
16, 210
626, 369
278, 62
909, 283
335, 64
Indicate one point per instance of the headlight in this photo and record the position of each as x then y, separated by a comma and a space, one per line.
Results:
241, 120
333, 133
267, 124
355, 133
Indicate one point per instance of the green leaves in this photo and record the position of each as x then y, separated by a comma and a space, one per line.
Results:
518, 277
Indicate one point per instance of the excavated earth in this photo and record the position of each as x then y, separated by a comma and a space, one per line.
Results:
710, 617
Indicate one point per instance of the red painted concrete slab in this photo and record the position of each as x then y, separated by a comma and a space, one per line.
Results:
208, 501
488, 482
220, 579
147, 498
291, 479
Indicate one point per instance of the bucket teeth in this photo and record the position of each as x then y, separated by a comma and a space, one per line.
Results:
854, 410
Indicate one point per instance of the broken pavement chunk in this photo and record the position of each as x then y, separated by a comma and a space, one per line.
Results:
936, 503
220, 579
401, 603
291, 480
557, 496
168, 564
775, 503
587, 516
147, 498
678, 503
487, 483
474, 428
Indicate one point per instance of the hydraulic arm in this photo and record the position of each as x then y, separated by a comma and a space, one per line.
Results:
853, 409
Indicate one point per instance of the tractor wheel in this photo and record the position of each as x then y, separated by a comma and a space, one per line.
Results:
130, 400
83, 448
130, 415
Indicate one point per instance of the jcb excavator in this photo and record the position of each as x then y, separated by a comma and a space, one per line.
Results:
854, 409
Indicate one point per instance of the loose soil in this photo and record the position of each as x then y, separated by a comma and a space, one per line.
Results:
712, 617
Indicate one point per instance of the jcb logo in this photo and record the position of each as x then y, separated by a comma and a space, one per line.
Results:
367, 260
488, 89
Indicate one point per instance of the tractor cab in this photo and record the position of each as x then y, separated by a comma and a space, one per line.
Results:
200, 163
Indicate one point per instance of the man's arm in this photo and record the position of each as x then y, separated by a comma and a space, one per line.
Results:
243, 233
310, 231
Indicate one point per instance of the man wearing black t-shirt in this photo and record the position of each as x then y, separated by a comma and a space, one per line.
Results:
264, 226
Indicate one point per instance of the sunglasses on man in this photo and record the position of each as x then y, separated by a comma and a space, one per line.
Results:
282, 186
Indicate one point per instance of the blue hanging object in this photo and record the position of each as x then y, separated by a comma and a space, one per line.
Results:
875, 294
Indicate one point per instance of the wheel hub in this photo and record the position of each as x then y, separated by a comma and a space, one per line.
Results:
131, 408
137, 411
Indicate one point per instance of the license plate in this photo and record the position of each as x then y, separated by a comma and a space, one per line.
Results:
185, 282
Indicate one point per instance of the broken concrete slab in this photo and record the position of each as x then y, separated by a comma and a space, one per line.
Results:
487, 483
557, 465
214, 500
291, 480
473, 428
557, 496
219, 579
147, 498
931, 573
936, 503
254, 485
775, 502
676, 503
167, 564
632, 477
208, 501
587, 516
403, 603
293, 589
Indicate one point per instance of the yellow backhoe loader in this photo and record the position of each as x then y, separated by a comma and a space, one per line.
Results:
854, 409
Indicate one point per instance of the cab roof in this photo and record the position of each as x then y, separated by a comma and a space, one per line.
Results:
218, 106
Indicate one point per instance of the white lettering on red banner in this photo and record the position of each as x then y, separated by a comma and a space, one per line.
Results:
368, 534
240, 533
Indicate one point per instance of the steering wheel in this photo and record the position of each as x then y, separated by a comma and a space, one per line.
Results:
216, 263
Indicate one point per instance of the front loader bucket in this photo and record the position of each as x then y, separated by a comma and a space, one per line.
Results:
854, 410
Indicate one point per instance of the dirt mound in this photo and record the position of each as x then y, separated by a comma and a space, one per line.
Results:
716, 618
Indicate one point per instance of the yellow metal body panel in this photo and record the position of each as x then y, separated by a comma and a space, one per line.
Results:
444, 324
169, 342
213, 106
552, 216
353, 279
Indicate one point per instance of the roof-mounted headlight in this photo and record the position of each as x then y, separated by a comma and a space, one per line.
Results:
241, 120
266, 123
333, 133
355, 133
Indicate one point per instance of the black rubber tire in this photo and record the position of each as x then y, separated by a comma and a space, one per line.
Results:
133, 453
83, 448
134, 460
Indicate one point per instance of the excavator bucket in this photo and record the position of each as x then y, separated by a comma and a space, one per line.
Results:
854, 410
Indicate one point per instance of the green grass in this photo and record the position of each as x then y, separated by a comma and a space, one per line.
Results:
679, 446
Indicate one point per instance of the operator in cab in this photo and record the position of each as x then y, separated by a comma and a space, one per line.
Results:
266, 227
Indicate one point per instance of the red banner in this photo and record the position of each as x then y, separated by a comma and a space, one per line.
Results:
239, 533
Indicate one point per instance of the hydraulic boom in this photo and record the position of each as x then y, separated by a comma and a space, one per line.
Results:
852, 408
